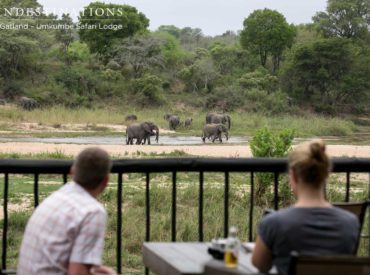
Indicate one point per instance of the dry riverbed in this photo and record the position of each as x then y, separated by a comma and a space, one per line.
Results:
196, 150
211, 150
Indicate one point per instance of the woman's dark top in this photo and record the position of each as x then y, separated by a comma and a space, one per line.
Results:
309, 231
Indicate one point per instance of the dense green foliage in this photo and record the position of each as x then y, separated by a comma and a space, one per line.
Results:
329, 74
266, 33
266, 143
100, 40
271, 67
344, 18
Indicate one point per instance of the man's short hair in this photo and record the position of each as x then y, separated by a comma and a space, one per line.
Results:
91, 166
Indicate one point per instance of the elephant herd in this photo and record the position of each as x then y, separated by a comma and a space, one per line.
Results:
174, 121
216, 126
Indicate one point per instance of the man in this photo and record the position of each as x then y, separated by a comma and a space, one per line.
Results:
65, 234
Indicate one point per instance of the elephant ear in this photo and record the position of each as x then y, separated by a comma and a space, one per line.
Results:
146, 127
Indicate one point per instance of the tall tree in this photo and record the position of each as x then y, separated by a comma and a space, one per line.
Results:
190, 38
171, 29
266, 32
100, 14
141, 53
229, 59
65, 36
344, 18
22, 4
201, 74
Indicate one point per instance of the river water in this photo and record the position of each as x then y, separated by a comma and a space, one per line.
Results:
114, 140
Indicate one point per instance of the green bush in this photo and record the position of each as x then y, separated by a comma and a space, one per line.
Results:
12, 89
266, 143
262, 102
148, 90
78, 51
225, 99
260, 80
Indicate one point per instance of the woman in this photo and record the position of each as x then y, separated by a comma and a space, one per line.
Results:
312, 226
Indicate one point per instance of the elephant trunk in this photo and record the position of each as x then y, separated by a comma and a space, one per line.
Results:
157, 134
227, 135
229, 120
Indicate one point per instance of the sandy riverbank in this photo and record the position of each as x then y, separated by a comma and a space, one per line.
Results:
200, 150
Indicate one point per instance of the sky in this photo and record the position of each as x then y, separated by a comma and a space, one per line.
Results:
214, 17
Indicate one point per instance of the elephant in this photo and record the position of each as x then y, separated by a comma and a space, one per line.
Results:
214, 131
173, 121
167, 116
188, 122
27, 103
131, 117
142, 132
218, 118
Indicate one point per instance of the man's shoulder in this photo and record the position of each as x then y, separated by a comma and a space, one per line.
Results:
74, 197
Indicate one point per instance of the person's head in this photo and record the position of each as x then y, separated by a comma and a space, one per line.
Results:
309, 165
91, 169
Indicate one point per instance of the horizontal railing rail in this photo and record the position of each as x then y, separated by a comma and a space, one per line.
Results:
276, 166
340, 165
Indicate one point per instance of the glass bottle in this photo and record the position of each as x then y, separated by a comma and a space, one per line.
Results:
232, 248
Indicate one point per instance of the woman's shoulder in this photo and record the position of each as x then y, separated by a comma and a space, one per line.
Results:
345, 214
274, 216
298, 213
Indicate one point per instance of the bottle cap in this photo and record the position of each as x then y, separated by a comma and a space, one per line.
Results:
233, 230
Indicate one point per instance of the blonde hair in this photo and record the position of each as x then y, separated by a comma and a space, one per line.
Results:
310, 163
91, 166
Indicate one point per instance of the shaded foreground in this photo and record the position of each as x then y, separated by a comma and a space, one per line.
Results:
21, 204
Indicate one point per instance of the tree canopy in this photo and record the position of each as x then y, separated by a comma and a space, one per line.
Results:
96, 14
266, 32
327, 73
344, 18
270, 66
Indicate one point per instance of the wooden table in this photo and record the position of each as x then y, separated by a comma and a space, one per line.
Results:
189, 259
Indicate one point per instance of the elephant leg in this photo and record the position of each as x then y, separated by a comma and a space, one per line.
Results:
142, 141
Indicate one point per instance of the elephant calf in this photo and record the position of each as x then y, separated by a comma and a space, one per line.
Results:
131, 117
214, 131
173, 121
27, 103
188, 122
218, 118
